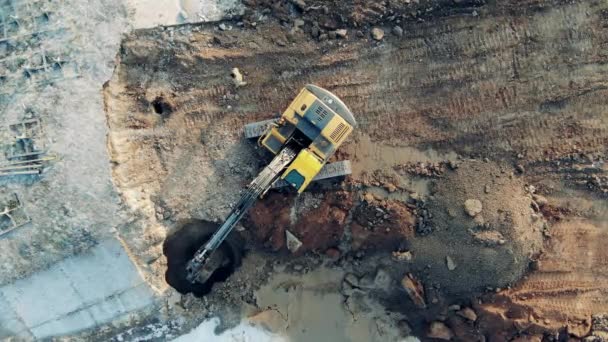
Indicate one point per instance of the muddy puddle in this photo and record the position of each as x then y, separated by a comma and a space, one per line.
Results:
310, 307
368, 155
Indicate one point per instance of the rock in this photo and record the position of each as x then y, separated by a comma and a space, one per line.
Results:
398, 31
237, 77
540, 200
403, 256
300, 4
225, 27
382, 279
390, 187
454, 307
473, 207
489, 238
486, 189
368, 197
174, 299
414, 290
351, 279
333, 253
439, 331
298, 23
404, 328
450, 263
347, 289
332, 35
341, 33
468, 313
315, 32
293, 243
367, 282
520, 168
323, 37
528, 338
377, 33
479, 220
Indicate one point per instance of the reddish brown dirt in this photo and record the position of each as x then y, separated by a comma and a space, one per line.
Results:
382, 226
569, 285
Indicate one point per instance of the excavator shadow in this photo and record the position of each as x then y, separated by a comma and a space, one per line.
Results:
180, 246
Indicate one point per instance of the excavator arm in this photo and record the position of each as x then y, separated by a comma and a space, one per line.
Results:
201, 266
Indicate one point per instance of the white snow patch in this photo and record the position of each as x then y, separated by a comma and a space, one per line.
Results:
151, 13
244, 332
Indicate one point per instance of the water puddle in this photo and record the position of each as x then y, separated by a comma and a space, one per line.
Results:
368, 155
310, 307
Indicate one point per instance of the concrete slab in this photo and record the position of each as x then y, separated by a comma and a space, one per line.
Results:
10, 322
75, 294
70, 323
105, 270
43, 296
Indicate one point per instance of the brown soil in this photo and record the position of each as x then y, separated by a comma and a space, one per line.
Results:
568, 286
520, 84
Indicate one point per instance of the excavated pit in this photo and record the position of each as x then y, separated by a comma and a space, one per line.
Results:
179, 248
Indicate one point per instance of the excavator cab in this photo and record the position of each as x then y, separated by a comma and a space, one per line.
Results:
317, 122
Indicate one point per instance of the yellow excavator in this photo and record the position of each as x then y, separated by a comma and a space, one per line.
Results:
306, 135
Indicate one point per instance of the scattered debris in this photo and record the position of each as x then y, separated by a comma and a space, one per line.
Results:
439, 331
12, 215
473, 207
225, 27
293, 243
489, 237
341, 33
390, 187
467, 313
541, 201
402, 256
450, 263
333, 253
377, 33
237, 77
351, 279
369, 198
414, 290
383, 279
398, 31
26, 153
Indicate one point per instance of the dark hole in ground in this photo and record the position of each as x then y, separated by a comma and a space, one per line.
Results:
180, 246
161, 106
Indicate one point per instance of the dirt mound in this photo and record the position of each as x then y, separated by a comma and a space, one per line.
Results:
484, 229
